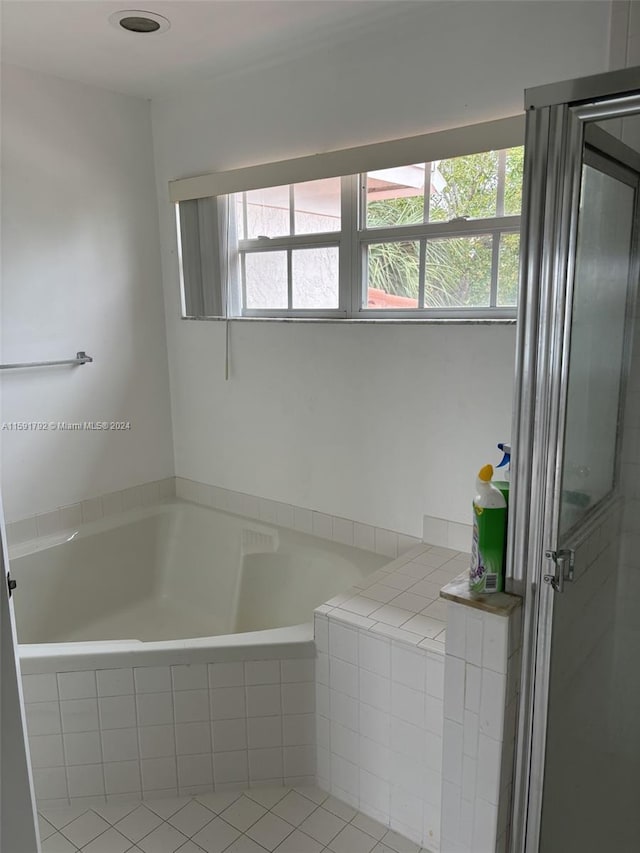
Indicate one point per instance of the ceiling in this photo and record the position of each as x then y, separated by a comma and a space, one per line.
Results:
208, 38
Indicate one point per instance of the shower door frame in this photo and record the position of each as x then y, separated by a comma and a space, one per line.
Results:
554, 141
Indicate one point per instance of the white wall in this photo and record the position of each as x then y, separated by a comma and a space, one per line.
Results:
80, 270
378, 423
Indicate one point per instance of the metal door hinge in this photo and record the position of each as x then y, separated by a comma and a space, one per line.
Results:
564, 562
11, 584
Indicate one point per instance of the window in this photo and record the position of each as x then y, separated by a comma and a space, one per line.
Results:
427, 239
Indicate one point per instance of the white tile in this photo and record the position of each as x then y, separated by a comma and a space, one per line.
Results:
122, 777
454, 686
264, 700
230, 767
297, 670
227, 703
436, 610
380, 592
189, 677
110, 842
407, 739
322, 731
60, 816
265, 764
294, 808
302, 519
424, 626
229, 735
373, 757
264, 732
138, 823
390, 615
48, 523
45, 828
115, 682
435, 675
408, 704
434, 714
158, 773
469, 768
111, 504
492, 703
322, 825
344, 742
495, 642
488, 777
284, 515
340, 809
484, 825
193, 738
352, 840
298, 842
343, 531
322, 668
473, 679
321, 632
473, 638
268, 510
344, 775
226, 674
408, 667
435, 530
322, 706
164, 839
262, 672
456, 630
120, 745
43, 718
82, 748
322, 525
85, 780
191, 706
343, 677
298, 729
470, 736
243, 813
386, 542
50, 783
77, 685
451, 800
156, 741
22, 531
452, 752
46, 751
40, 688
154, 709
375, 724
152, 679
375, 690
343, 642
409, 600
79, 715
360, 605
117, 712
298, 698
364, 536
433, 752
299, 763
375, 794
349, 618
194, 770
270, 831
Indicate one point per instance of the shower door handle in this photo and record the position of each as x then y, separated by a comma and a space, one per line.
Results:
564, 561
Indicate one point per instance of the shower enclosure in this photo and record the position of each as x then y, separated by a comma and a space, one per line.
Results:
576, 525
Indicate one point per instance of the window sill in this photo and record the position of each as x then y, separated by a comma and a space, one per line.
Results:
386, 321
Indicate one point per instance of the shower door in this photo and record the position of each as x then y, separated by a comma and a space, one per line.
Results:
578, 756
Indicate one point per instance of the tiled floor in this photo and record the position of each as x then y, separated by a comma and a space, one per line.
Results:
284, 820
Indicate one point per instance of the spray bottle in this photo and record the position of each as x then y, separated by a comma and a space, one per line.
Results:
502, 482
486, 574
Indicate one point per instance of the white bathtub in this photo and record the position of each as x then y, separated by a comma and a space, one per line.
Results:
176, 583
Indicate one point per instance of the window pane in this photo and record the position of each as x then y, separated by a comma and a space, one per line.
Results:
315, 277
458, 272
395, 196
266, 279
237, 201
465, 186
508, 262
513, 181
317, 206
393, 274
268, 212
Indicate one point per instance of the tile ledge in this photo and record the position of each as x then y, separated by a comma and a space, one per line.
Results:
500, 603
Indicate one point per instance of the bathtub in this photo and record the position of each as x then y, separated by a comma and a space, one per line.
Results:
174, 583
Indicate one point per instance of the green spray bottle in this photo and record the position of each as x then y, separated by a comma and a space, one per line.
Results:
486, 574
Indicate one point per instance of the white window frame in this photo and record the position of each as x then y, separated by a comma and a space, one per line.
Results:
353, 237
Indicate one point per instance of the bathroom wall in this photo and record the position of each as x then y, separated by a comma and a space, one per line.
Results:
377, 423
80, 270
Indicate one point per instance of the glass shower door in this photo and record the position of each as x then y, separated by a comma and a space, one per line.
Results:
590, 763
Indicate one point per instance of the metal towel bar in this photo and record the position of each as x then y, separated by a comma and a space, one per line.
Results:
81, 358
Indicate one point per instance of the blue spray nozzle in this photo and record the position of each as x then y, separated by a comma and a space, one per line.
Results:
506, 450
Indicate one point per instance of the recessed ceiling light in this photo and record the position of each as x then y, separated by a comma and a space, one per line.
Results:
136, 21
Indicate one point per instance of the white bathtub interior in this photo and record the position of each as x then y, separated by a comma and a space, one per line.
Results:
176, 571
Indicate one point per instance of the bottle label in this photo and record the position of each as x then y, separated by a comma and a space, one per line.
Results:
486, 572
